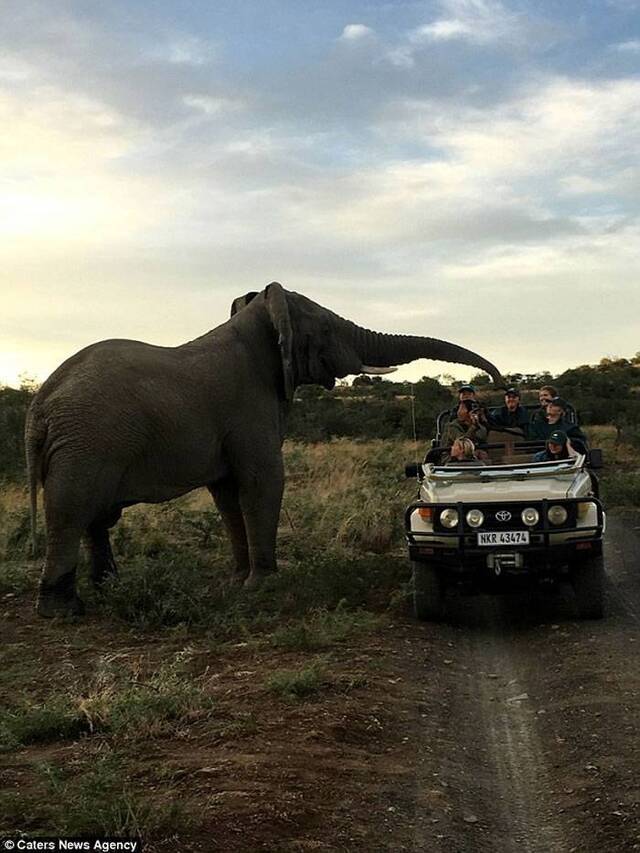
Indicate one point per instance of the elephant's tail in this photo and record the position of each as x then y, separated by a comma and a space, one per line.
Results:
34, 437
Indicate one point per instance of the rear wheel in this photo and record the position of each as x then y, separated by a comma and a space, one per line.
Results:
587, 579
428, 593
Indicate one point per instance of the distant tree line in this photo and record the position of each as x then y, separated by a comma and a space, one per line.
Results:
607, 393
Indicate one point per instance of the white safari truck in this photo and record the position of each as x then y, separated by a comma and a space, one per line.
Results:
506, 523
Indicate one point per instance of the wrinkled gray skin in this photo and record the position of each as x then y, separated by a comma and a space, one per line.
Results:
124, 422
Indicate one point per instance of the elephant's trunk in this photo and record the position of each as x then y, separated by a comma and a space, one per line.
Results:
382, 350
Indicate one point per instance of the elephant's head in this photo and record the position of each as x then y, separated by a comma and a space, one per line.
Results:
317, 346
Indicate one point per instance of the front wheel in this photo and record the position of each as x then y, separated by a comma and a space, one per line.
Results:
428, 593
587, 579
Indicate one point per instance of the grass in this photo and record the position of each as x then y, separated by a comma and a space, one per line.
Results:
340, 544
620, 478
102, 804
94, 798
294, 684
323, 628
118, 701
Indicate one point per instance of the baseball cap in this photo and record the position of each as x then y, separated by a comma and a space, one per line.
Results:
467, 388
512, 392
558, 436
558, 401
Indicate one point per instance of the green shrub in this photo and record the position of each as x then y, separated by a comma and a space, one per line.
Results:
323, 628
118, 702
99, 801
299, 683
55, 719
621, 488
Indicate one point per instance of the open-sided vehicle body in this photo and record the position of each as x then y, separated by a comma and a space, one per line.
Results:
506, 523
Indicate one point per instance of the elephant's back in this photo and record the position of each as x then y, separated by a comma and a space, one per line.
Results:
109, 393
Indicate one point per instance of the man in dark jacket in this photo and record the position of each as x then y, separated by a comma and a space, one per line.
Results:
556, 420
512, 414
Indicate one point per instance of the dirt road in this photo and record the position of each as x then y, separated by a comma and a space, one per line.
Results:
547, 710
514, 728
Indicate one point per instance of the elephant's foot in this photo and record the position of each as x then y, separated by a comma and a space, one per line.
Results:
255, 578
59, 598
237, 578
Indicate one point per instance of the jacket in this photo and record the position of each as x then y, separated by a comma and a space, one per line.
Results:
502, 417
541, 430
457, 429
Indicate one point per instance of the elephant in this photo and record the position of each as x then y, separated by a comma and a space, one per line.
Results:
123, 422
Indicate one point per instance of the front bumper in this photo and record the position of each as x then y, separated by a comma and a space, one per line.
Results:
550, 551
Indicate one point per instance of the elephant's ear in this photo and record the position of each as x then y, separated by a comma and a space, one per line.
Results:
276, 301
241, 302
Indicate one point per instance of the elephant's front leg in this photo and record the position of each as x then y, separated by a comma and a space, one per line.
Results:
225, 495
261, 500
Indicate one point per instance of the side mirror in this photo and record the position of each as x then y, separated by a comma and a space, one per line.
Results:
595, 459
413, 471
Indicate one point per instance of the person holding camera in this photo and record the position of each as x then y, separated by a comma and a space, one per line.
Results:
469, 423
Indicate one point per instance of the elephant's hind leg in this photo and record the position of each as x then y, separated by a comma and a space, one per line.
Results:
57, 593
103, 564
225, 495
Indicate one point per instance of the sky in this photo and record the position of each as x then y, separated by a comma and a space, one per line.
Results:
462, 169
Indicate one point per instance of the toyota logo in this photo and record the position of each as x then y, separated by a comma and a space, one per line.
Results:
503, 515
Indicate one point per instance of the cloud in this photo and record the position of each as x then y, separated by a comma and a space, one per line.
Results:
356, 32
632, 46
211, 106
186, 51
479, 22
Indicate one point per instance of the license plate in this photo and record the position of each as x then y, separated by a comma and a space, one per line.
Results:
504, 537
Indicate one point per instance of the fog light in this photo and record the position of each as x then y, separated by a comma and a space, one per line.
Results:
530, 516
449, 518
557, 514
475, 518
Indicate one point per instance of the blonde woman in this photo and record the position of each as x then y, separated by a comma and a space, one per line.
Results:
463, 452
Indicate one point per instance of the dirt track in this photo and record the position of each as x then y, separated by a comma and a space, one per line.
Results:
514, 728
547, 711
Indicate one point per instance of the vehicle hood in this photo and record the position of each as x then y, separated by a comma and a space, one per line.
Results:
442, 490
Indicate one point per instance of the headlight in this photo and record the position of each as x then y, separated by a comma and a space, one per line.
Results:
475, 518
530, 516
557, 514
449, 518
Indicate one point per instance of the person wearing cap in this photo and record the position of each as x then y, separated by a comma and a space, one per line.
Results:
512, 414
556, 420
558, 447
465, 392
467, 424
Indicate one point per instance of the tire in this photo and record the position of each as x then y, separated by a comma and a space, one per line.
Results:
587, 579
428, 593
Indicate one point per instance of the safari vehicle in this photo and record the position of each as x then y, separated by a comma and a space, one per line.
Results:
505, 524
